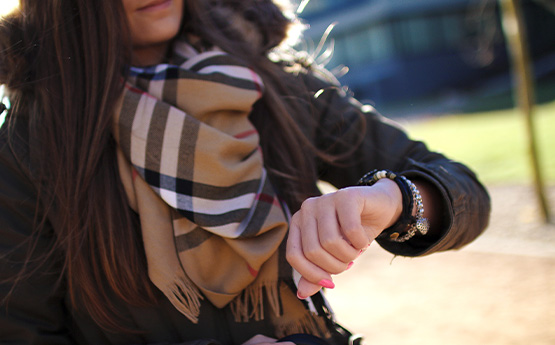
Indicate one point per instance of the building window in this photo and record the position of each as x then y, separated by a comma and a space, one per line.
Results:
370, 44
452, 30
422, 35
416, 35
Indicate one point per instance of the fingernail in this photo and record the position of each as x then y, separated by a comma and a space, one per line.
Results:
326, 283
299, 296
350, 264
360, 253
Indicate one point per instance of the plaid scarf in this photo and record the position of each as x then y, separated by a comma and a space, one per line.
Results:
192, 168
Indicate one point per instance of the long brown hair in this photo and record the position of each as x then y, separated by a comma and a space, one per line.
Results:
63, 62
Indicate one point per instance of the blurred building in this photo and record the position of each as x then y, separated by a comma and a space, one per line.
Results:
398, 50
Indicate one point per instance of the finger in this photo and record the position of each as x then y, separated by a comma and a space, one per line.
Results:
311, 246
332, 239
297, 260
306, 289
349, 208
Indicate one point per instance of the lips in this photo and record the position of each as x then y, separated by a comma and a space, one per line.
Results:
156, 4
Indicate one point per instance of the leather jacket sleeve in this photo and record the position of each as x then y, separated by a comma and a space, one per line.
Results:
32, 311
369, 141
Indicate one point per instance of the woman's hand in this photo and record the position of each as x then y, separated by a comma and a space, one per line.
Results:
332, 230
264, 340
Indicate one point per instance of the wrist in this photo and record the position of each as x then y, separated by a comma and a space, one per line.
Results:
395, 199
408, 223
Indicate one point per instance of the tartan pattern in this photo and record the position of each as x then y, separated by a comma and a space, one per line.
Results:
210, 218
164, 141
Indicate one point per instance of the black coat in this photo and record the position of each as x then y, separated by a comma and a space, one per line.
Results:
38, 311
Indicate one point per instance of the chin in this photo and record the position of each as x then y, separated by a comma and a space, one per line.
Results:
156, 36
154, 31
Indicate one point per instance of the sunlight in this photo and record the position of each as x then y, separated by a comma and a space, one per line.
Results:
6, 6
6, 102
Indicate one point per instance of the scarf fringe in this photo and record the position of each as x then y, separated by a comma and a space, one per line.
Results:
185, 296
249, 305
309, 323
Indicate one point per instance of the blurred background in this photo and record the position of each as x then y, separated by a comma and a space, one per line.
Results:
441, 68
449, 53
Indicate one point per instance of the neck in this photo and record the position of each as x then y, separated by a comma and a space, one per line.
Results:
149, 55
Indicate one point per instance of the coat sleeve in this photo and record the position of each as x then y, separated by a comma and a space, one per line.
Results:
32, 311
365, 140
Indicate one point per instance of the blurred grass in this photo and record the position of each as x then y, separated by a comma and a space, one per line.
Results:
492, 143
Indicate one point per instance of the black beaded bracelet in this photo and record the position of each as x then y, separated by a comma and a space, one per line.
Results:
407, 225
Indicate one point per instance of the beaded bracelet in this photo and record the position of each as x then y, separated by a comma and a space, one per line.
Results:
411, 195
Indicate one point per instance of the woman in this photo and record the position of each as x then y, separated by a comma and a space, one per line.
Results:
150, 204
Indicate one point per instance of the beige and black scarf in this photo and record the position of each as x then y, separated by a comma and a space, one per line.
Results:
212, 224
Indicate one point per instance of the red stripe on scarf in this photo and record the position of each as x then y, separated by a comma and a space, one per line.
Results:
252, 271
257, 82
268, 199
245, 134
139, 91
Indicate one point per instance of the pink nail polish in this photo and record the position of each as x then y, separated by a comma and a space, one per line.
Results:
350, 264
326, 283
299, 296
